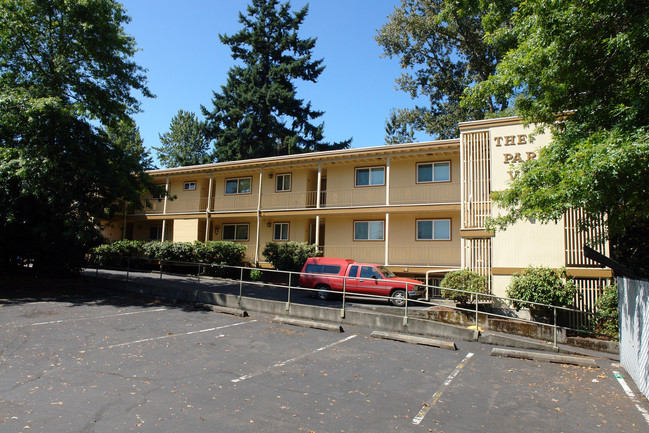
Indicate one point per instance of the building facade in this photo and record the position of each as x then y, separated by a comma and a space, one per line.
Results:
418, 208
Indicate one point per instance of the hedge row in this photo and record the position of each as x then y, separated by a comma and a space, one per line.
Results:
219, 252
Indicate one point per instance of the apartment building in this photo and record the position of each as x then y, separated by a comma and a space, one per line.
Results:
418, 208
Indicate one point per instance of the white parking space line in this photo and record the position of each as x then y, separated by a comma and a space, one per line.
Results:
433, 400
631, 395
93, 317
289, 361
173, 335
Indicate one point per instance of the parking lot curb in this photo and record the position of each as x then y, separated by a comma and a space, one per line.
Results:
226, 310
545, 357
424, 341
309, 324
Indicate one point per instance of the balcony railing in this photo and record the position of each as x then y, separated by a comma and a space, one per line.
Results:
355, 197
425, 194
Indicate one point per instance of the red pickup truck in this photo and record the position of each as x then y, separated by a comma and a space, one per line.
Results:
327, 274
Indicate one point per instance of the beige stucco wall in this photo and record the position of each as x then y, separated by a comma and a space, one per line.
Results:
186, 230
405, 249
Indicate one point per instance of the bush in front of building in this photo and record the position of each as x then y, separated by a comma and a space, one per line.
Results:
290, 256
220, 252
114, 253
170, 251
608, 321
543, 285
465, 280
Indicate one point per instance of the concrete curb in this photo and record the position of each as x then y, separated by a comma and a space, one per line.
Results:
448, 345
309, 324
226, 310
545, 357
518, 342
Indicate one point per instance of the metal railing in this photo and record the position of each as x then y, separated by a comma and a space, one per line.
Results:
242, 275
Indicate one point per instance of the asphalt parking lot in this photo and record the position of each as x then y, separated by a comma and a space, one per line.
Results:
102, 363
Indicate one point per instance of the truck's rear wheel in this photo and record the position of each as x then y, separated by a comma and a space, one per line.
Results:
398, 298
322, 292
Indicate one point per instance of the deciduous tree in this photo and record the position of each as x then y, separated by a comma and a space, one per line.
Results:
442, 50
66, 80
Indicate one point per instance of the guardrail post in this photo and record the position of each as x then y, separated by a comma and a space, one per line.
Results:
288, 301
128, 270
554, 334
240, 287
405, 317
342, 310
160, 279
476, 334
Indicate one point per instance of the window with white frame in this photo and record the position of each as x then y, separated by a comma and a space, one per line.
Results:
240, 185
434, 230
368, 230
370, 176
236, 232
155, 233
189, 186
283, 182
280, 231
434, 172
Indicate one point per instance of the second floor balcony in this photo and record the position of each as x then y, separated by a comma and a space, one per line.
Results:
343, 198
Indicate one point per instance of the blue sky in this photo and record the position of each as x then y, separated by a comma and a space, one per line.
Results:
186, 61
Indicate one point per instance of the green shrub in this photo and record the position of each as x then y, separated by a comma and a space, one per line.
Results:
111, 254
220, 252
170, 251
607, 303
463, 280
256, 275
542, 285
289, 256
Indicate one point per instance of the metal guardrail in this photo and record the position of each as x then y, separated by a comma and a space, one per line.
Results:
238, 274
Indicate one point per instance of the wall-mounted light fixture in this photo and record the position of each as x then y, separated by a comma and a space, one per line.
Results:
268, 225
216, 230
270, 175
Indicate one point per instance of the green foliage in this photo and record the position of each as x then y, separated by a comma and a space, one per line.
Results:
465, 280
442, 50
607, 306
256, 275
588, 59
186, 142
66, 82
220, 252
257, 113
113, 253
397, 132
542, 285
170, 251
290, 256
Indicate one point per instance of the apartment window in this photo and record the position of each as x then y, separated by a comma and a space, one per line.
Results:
189, 186
434, 230
370, 176
368, 230
155, 233
434, 172
241, 185
283, 182
280, 232
235, 232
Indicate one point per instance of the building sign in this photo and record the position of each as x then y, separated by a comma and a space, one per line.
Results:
511, 156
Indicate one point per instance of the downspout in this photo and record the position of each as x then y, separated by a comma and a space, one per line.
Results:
207, 210
387, 214
317, 217
164, 210
261, 178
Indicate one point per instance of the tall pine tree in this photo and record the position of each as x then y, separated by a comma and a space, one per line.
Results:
257, 113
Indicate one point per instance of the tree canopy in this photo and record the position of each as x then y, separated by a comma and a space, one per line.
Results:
66, 93
582, 70
185, 143
257, 113
442, 50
